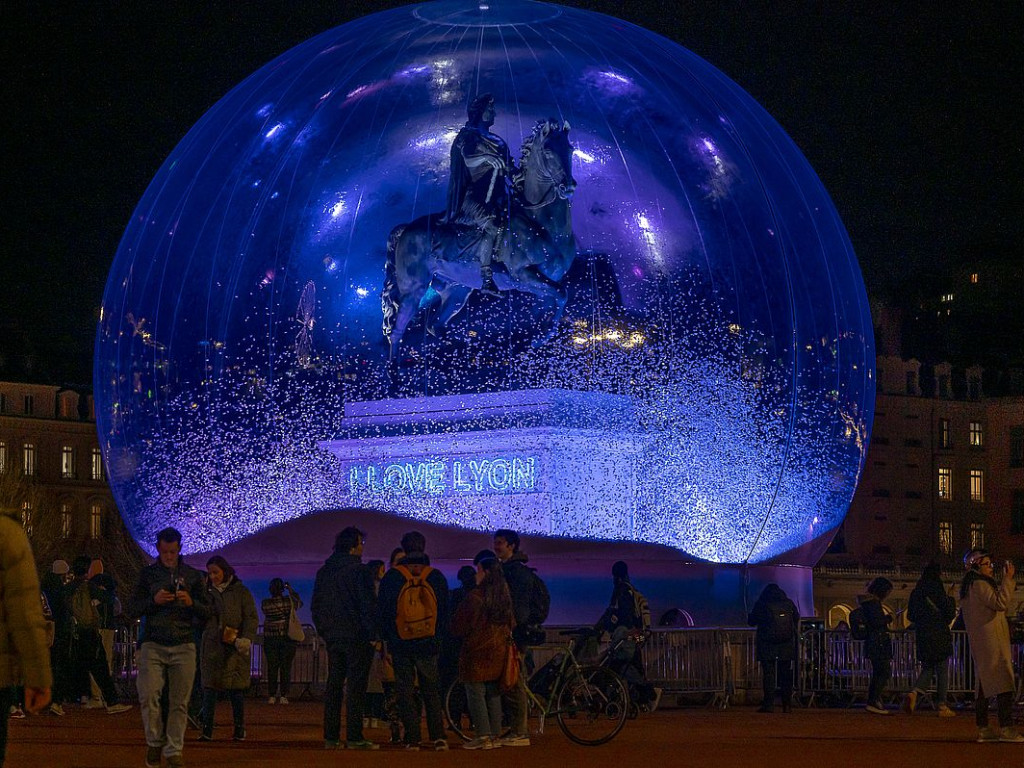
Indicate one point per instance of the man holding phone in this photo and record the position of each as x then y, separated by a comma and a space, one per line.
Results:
170, 597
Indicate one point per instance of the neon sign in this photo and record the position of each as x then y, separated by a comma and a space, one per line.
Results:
443, 476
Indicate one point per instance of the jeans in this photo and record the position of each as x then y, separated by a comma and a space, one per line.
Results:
175, 667
280, 653
7, 700
348, 671
237, 699
940, 671
484, 700
518, 707
406, 670
881, 671
778, 673
1004, 706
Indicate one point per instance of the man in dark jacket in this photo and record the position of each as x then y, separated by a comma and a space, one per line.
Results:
519, 577
777, 620
931, 611
415, 657
170, 597
878, 646
343, 614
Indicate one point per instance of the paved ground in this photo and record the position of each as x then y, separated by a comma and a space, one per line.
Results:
290, 736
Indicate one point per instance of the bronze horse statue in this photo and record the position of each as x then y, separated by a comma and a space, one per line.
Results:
533, 256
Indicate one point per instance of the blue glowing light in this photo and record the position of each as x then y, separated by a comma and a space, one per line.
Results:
709, 387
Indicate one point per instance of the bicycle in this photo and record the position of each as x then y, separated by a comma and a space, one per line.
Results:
589, 702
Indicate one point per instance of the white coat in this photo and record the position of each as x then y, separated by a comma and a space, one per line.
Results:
984, 610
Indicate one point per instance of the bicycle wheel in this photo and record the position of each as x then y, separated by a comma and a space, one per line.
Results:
456, 711
592, 706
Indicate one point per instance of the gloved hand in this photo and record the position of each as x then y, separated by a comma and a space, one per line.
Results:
243, 645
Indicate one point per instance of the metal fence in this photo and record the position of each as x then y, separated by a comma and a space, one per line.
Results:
717, 663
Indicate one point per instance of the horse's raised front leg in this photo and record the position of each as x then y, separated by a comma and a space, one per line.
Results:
531, 280
406, 309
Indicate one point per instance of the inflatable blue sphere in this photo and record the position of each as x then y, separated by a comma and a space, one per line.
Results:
507, 265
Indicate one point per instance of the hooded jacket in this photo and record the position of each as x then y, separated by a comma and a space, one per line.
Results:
24, 655
519, 577
878, 646
931, 611
773, 598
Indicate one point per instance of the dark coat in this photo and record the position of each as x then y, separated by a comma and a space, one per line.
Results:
878, 646
387, 609
343, 604
484, 643
223, 666
931, 611
170, 624
519, 577
773, 598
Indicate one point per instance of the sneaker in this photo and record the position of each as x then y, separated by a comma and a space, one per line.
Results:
57, 709
332, 744
271, 700
988, 735
117, 709
283, 700
1011, 735
514, 740
412, 747
480, 742
361, 744
945, 711
17, 713
656, 701
877, 709
153, 757
440, 745
910, 703
94, 704
176, 761
239, 734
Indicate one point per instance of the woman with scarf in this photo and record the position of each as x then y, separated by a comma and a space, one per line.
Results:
984, 601
227, 645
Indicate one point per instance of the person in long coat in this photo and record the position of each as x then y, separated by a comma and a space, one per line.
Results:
484, 621
777, 620
931, 611
878, 646
227, 645
984, 602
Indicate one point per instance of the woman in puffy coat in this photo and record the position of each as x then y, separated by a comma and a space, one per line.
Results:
984, 601
931, 611
484, 621
227, 645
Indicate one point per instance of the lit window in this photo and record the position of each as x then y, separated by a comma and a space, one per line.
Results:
65, 521
95, 521
945, 483
97, 465
28, 459
977, 434
30, 405
974, 277
946, 537
67, 462
978, 485
26, 517
977, 535
943, 433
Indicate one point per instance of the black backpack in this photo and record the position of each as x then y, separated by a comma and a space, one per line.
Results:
540, 600
780, 622
858, 624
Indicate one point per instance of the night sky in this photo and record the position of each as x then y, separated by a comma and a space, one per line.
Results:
908, 115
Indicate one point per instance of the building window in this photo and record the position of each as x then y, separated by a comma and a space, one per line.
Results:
67, 462
95, 521
30, 405
1017, 447
977, 535
978, 485
945, 483
946, 537
943, 433
97, 465
944, 387
974, 277
65, 521
28, 459
3, 455
26, 517
1017, 512
977, 434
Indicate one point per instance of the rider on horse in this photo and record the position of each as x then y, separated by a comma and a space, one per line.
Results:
478, 189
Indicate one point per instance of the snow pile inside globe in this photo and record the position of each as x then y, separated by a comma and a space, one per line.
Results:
676, 347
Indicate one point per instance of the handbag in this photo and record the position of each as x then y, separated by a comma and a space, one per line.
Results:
510, 670
295, 631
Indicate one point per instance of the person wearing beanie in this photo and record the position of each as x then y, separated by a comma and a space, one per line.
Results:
60, 567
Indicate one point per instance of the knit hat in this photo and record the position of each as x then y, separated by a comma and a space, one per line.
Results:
60, 567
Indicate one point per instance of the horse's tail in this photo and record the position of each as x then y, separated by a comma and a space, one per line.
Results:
390, 293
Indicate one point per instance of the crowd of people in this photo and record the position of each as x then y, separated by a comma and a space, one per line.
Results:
396, 637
